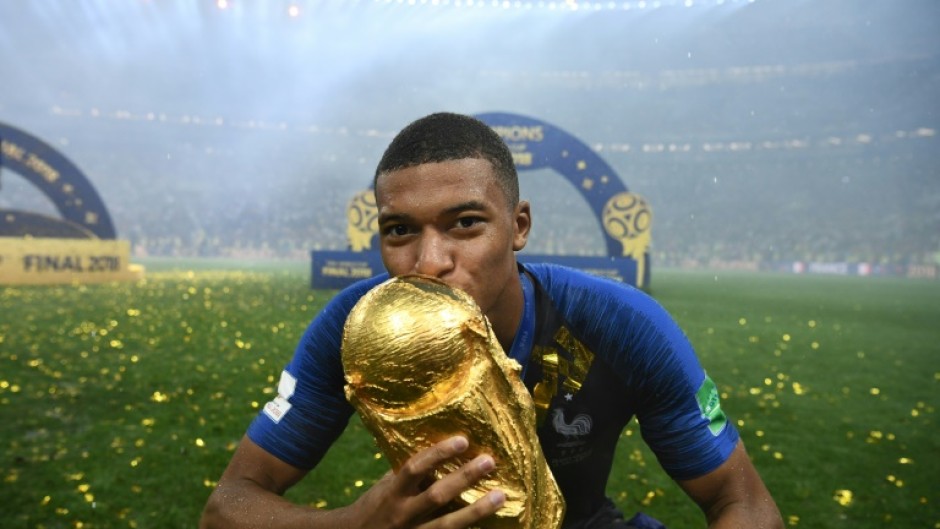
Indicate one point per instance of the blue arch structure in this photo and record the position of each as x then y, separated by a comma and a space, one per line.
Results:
623, 217
536, 144
60, 180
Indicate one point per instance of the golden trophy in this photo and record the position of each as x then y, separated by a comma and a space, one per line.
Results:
422, 364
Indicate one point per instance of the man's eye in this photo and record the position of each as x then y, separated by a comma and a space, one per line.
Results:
396, 230
467, 222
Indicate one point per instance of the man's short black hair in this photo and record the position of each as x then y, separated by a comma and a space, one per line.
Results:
446, 136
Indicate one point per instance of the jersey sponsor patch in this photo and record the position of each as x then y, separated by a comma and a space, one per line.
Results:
287, 385
710, 405
278, 408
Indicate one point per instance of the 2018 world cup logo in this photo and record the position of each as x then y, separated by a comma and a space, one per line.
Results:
362, 216
628, 218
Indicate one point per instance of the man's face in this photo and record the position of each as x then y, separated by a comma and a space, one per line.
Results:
451, 220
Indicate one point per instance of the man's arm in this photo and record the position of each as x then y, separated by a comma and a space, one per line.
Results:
734, 496
249, 494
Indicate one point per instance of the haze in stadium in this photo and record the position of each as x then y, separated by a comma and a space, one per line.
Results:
786, 147
761, 131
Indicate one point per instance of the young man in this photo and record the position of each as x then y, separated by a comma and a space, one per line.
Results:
594, 353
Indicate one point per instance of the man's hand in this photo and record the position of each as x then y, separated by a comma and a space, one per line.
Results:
403, 499
250, 489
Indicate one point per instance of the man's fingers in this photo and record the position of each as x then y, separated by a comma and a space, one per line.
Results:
449, 487
424, 500
469, 515
421, 465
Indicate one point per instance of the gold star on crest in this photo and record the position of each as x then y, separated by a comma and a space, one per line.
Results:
582, 165
91, 217
587, 183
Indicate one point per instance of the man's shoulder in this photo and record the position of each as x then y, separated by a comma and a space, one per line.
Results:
547, 272
336, 310
555, 278
580, 296
359, 288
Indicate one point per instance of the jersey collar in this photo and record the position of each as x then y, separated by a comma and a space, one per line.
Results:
521, 348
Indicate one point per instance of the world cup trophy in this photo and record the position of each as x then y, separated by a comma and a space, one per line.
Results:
628, 218
422, 364
362, 220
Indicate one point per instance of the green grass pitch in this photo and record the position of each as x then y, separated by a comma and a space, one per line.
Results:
121, 404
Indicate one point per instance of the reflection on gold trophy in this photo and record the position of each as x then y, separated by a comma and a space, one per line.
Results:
362, 216
422, 364
627, 218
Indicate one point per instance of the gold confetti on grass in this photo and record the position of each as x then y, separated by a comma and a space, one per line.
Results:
843, 497
85, 393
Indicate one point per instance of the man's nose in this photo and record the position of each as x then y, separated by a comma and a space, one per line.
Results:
434, 256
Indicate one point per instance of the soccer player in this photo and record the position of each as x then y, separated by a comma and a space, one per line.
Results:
449, 207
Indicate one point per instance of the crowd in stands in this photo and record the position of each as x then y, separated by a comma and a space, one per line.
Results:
758, 134
193, 199
758, 175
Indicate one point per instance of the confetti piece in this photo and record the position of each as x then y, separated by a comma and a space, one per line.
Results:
843, 497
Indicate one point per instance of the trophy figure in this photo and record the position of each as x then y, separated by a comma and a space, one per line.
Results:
422, 364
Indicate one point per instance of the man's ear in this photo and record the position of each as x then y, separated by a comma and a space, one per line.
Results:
522, 223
